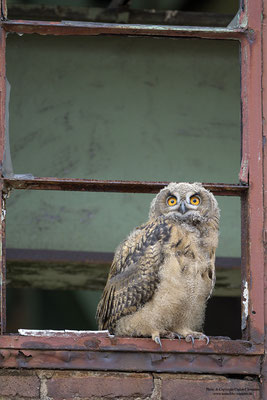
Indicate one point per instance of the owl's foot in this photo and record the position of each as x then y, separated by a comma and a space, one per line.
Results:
188, 335
173, 335
196, 335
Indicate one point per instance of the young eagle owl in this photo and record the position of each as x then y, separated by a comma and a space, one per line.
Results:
164, 272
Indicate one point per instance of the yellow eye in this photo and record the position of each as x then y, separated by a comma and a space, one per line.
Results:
194, 200
172, 201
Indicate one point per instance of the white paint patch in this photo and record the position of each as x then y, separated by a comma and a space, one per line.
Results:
50, 332
170, 14
3, 215
245, 305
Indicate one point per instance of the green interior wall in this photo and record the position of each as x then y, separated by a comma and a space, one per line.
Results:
118, 108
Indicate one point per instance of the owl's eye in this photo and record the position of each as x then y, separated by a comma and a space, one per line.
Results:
194, 200
172, 201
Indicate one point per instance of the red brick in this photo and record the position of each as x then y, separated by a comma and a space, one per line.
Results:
182, 387
68, 385
19, 383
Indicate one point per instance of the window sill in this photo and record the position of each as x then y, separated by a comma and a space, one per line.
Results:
90, 350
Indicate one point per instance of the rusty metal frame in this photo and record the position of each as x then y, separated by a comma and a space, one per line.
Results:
91, 351
94, 28
2, 199
264, 147
97, 351
252, 170
97, 185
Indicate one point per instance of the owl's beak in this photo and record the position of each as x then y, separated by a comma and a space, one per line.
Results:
182, 208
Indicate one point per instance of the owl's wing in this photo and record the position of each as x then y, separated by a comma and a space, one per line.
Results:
134, 273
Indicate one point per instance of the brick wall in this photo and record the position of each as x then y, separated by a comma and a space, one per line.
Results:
84, 385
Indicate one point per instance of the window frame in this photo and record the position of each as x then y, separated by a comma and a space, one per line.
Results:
97, 351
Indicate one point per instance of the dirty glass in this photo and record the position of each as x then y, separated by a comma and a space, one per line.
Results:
116, 108
157, 12
124, 108
57, 285
95, 221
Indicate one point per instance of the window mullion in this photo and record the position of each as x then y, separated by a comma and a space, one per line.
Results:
97, 185
2, 202
252, 284
93, 28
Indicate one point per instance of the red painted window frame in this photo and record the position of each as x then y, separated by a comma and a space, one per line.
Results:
97, 351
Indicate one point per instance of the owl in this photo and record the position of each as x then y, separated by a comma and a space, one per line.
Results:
164, 272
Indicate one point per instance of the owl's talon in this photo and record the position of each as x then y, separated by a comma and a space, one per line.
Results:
178, 336
204, 337
158, 341
190, 338
197, 335
173, 335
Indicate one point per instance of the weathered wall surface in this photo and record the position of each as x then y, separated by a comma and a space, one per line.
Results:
67, 385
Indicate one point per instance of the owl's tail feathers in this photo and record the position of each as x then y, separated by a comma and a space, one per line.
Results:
104, 309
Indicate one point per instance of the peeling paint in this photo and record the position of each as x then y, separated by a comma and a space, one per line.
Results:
245, 305
3, 215
3, 212
170, 14
243, 174
51, 332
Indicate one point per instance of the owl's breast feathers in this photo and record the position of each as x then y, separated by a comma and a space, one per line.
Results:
135, 272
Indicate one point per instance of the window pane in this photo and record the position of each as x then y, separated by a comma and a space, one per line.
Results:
125, 108
95, 222
159, 12
40, 222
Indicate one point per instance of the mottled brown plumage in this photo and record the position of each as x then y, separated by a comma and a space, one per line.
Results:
163, 273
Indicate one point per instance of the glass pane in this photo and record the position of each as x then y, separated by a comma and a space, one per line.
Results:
95, 222
158, 12
51, 309
42, 222
124, 108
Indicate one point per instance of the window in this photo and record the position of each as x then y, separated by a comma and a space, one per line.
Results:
91, 350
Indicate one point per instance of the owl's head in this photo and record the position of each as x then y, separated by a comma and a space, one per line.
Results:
188, 201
